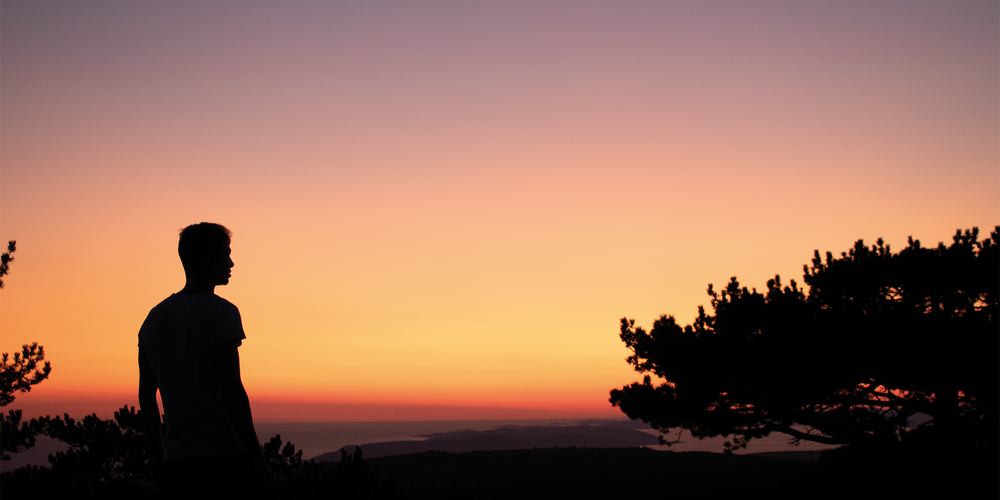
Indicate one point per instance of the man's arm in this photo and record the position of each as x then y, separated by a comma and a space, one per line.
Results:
150, 409
234, 396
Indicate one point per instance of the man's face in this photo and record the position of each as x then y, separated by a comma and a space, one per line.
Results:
221, 267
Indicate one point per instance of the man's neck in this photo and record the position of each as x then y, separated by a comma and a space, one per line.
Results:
193, 287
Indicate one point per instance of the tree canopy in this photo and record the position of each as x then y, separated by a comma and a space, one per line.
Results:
5, 260
18, 374
23, 370
882, 349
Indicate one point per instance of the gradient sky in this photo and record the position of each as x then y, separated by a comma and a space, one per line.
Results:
451, 204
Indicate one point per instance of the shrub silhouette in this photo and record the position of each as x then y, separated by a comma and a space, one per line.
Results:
281, 459
18, 374
106, 459
109, 459
349, 477
879, 338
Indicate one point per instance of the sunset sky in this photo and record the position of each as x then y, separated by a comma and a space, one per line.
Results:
442, 209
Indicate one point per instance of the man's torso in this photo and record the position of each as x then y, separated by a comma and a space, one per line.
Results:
180, 337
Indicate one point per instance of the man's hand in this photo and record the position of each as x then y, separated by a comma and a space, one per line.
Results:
156, 467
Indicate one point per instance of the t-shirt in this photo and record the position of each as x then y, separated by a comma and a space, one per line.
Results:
180, 337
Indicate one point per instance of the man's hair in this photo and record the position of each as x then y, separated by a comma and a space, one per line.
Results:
199, 240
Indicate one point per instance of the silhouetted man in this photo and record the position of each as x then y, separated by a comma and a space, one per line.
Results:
188, 351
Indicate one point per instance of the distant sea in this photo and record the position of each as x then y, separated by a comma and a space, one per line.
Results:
316, 438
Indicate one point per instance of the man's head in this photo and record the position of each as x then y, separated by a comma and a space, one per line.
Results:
204, 251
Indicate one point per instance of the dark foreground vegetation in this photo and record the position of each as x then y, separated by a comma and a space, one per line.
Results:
646, 473
556, 473
108, 459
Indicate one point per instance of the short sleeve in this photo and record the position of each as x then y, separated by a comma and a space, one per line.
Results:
232, 327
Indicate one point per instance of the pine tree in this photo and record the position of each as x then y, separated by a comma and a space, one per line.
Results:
884, 351
18, 374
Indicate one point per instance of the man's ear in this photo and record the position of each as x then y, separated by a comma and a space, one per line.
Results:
201, 264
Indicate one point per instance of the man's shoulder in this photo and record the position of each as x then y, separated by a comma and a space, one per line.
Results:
221, 304
205, 309
163, 304
204, 305
198, 299
221, 300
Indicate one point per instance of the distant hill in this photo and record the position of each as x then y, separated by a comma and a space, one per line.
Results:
590, 434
